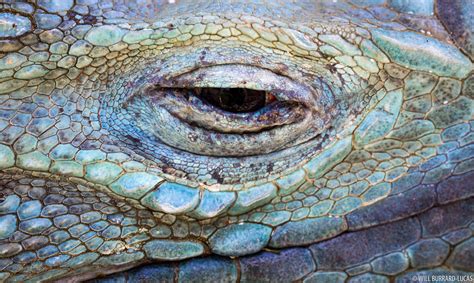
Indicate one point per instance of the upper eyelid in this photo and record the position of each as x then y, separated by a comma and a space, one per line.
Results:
166, 70
187, 61
229, 75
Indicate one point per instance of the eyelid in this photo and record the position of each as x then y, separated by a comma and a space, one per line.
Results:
226, 76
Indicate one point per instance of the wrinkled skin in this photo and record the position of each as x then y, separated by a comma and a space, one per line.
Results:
362, 171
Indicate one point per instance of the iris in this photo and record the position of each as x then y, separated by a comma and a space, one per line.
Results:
235, 100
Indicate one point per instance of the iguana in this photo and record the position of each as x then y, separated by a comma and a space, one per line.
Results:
236, 141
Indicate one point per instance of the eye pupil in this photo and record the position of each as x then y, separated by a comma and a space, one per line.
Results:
236, 100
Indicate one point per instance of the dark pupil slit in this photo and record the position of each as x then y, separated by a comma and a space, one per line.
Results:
236, 100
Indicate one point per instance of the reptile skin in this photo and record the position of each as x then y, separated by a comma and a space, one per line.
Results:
114, 169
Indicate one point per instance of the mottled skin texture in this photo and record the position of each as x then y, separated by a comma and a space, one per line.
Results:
372, 180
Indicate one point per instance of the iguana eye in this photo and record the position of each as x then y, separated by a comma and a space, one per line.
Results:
217, 118
235, 100
241, 118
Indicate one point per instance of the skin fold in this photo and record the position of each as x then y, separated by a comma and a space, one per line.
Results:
362, 171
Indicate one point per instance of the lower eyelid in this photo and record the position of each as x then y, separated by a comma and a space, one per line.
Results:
195, 111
